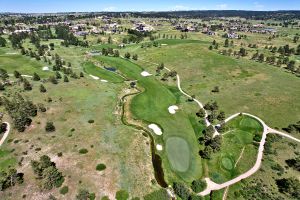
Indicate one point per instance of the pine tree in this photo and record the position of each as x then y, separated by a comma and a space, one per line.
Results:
36, 77
66, 78
42, 88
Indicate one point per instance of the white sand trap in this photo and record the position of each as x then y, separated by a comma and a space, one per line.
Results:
155, 129
94, 77
164, 44
27, 76
172, 109
45, 68
104, 81
144, 73
159, 147
11, 53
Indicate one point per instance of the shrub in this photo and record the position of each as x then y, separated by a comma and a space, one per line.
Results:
161, 194
181, 190
198, 185
122, 195
100, 167
59, 154
91, 121
83, 151
50, 127
64, 190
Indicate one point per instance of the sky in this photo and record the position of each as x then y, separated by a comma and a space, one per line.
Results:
39, 6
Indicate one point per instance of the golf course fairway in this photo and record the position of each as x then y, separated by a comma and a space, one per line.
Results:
151, 106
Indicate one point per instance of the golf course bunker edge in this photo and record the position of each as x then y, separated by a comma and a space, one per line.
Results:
178, 153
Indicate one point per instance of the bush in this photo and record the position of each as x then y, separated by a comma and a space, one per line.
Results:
91, 121
198, 185
83, 151
100, 167
122, 195
161, 194
64, 190
181, 190
50, 127
85, 195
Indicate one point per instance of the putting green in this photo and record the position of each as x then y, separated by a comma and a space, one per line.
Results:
178, 153
227, 163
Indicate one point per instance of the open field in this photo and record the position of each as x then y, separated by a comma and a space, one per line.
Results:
201, 70
124, 151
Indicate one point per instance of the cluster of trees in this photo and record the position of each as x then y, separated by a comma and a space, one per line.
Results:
185, 193
134, 56
294, 163
150, 44
289, 186
16, 39
47, 173
20, 110
136, 36
84, 194
212, 108
211, 144
166, 75
293, 128
110, 51
10, 178
63, 32
2, 42
171, 74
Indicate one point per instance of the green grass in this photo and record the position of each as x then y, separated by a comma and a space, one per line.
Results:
7, 160
23, 64
92, 69
151, 106
239, 134
201, 70
178, 153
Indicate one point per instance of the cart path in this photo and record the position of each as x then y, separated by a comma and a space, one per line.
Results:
5, 134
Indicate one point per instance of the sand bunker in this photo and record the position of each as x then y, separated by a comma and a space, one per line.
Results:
155, 129
104, 81
172, 109
94, 77
144, 73
45, 68
159, 147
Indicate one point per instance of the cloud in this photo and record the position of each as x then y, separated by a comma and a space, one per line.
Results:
258, 6
180, 7
222, 6
110, 9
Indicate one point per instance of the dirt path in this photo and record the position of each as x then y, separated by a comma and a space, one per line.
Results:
5, 134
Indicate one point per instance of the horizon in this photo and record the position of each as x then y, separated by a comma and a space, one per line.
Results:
56, 6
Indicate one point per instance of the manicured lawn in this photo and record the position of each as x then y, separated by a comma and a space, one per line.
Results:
23, 64
178, 153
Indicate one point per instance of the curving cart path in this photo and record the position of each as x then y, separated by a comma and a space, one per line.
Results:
266, 129
5, 134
